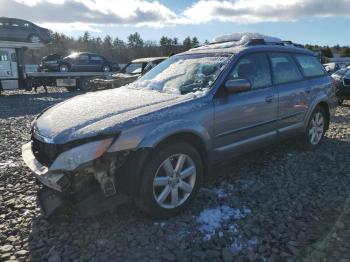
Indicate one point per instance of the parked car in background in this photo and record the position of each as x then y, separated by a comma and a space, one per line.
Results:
13, 29
331, 67
342, 79
129, 73
334, 67
157, 138
78, 62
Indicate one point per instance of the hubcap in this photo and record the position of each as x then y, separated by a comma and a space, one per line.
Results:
34, 39
316, 128
64, 68
106, 69
174, 181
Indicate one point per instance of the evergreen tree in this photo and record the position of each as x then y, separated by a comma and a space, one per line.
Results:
135, 40
187, 43
194, 42
327, 52
118, 43
345, 52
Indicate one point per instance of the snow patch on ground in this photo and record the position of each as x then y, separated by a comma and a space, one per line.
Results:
212, 219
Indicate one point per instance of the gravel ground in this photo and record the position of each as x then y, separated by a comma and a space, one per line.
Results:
279, 204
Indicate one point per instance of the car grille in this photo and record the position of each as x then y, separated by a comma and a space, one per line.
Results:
45, 153
346, 81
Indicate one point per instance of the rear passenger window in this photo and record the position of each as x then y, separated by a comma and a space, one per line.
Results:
255, 68
310, 65
284, 69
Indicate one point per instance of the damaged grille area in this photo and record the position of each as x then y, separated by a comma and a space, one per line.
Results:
46, 153
347, 81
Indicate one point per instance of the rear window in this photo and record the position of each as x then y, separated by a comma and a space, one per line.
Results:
284, 69
310, 65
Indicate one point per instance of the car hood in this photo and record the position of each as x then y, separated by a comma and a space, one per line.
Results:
124, 75
101, 112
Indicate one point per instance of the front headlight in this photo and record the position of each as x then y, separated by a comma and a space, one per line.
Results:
73, 158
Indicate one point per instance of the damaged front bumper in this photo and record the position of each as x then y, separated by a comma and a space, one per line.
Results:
63, 187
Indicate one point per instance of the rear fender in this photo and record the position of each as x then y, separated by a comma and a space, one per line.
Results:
322, 98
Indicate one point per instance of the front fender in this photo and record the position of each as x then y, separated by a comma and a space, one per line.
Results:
150, 135
176, 127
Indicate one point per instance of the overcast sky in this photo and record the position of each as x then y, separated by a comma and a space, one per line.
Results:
304, 21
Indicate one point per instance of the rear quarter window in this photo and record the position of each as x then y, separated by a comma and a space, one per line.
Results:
284, 68
310, 66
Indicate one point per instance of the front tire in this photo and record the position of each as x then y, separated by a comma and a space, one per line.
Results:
64, 68
316, 129
171, 179
106, 69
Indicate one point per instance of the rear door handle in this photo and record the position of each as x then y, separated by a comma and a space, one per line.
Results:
308, 90
268, 99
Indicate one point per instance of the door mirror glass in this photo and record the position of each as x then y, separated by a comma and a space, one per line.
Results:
237, 86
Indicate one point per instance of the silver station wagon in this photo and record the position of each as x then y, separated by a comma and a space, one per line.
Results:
158, 138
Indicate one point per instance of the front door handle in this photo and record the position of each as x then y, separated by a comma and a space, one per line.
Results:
268, 99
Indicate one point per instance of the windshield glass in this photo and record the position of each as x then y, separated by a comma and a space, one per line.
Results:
183, 74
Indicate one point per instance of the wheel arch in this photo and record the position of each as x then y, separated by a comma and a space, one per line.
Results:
322, 102
325, 107
194, 140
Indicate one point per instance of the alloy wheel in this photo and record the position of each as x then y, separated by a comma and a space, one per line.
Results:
316, 129
174, 181
106, 69
34, 39
63, 68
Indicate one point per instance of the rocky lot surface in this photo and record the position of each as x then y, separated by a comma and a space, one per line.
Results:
278, 204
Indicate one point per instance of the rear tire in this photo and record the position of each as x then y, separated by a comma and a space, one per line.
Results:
85, 84
170, 180
316, 129
34, 39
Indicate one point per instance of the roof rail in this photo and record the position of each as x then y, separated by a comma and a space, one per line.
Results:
261, 41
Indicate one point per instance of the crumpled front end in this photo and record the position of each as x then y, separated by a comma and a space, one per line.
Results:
70, 175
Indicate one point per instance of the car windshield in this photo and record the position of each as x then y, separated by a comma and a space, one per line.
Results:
183, 74
72, 55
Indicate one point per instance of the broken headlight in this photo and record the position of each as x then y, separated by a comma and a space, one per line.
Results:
73, 158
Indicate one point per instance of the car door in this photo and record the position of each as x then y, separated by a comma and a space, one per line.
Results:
292, 91
82, 63
245, 120
5, 29
18, 30
96, 63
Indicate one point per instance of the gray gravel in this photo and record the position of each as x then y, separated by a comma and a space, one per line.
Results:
279, 204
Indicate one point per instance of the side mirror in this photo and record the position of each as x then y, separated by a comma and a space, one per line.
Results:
237, 85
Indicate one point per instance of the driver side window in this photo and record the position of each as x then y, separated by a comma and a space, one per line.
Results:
255, 68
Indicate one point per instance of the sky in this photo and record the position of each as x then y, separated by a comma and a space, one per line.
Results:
323, 22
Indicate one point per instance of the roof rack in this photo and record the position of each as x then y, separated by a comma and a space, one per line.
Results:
258, 41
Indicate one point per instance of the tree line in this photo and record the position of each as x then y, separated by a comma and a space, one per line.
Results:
329, 52
114, 49
117, 50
